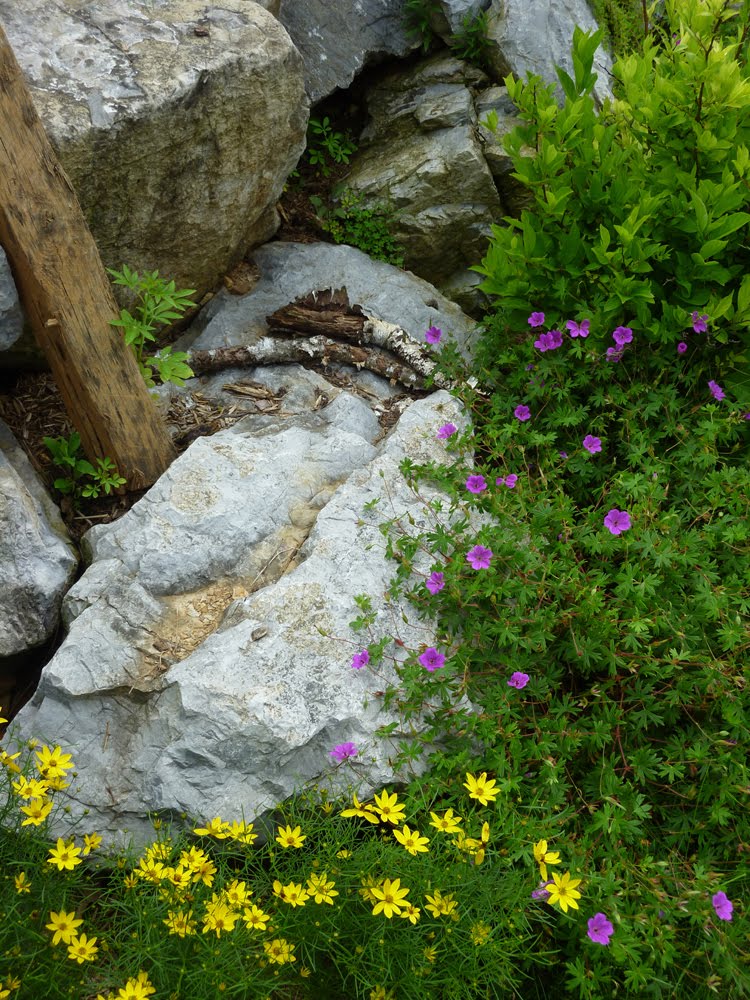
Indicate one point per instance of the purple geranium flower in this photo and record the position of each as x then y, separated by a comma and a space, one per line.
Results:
622, 335
433, 335
435, 583
617, 521
360, 660
541, 892
613, 354
522, 412
518, 680
476, 484
511, 480
549, 341
578, 329
722, 905
716, 391
342, 752
681, 347
699, 322
432, 660
479, 557
536, 319
592, 444
446, 431
600, 929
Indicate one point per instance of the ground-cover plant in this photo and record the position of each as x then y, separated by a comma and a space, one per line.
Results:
418, 16
349, 221
156, 303
81, 478
326, 146
471, 42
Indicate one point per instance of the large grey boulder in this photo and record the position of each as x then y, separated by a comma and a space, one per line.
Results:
11, 317
423, 159
37, 559
177, 122
337, 38
289, 270
207, 670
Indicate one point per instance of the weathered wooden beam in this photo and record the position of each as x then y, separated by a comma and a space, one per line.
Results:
67, 296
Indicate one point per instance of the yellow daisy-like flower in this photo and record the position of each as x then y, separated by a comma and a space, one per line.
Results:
562, 891
36, 812
467, 844
177, 877
321, 889
199, 864
368, 884
412, 913
9, 761
483, 789
390, 897
412, 840
379, 993
237, 893
219, 917
447, 823
344, 854
30, 789
180, 922
130, 881
82, 949
160, 850
242, 832
64, 855
90, 842
254, 918
480, 934
150, 870
279, 951
364, 811
388, 808
214, 828
22, 883
430, 953
63, 925
543, 857
485, 833
136, 989
440, 905
289, 837
53, 763
292, 893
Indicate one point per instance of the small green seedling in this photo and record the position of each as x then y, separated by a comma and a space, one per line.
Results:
81, 479
324, 145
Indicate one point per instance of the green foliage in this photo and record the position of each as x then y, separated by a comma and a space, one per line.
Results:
368, 229
157, 303
418, 16
640, 214
81, 479
623, 24
326, 146
471, 42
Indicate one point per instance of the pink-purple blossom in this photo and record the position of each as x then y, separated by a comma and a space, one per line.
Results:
522, 412
536, 319
600, 929
509, 481
343, 752
549, 341
360, 660
446, 431
622, 335
433, 335
722, 906
592, 444
681, 347
613, 354
578, 329
479, 557
476, 484
699, 322
617, 521
716, 391
518, 680
435, 582
541, 892
431, 659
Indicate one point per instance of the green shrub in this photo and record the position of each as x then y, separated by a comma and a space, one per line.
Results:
368, 229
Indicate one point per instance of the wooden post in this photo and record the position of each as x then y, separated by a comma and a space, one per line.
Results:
67, 296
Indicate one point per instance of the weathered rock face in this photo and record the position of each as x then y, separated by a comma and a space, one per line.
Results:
11, 317
451, 15
177, 123
289, 270
423, 159
209, 645
535, 37
337, 38
37, 559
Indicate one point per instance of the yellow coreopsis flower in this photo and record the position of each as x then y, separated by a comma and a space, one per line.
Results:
180, 922
321, 889
150, 870
279, 951
64, 855
237, 893
242, 832
53, 763
411, 840
22, 883
30, 789
216, 827
543, 857
36, 812
63, 925
412, 913
9, 761
390, 897
388, 808
219, 917
254, 918
90, 842
293, 893
82, 949
289, 837
136, 989
364, 811
483, 789
440, 905
562, 891
480, 934
447, 823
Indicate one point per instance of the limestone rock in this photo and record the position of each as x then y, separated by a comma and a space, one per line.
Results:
207, 667
11, 317
37, 559
452, 14
177, 122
